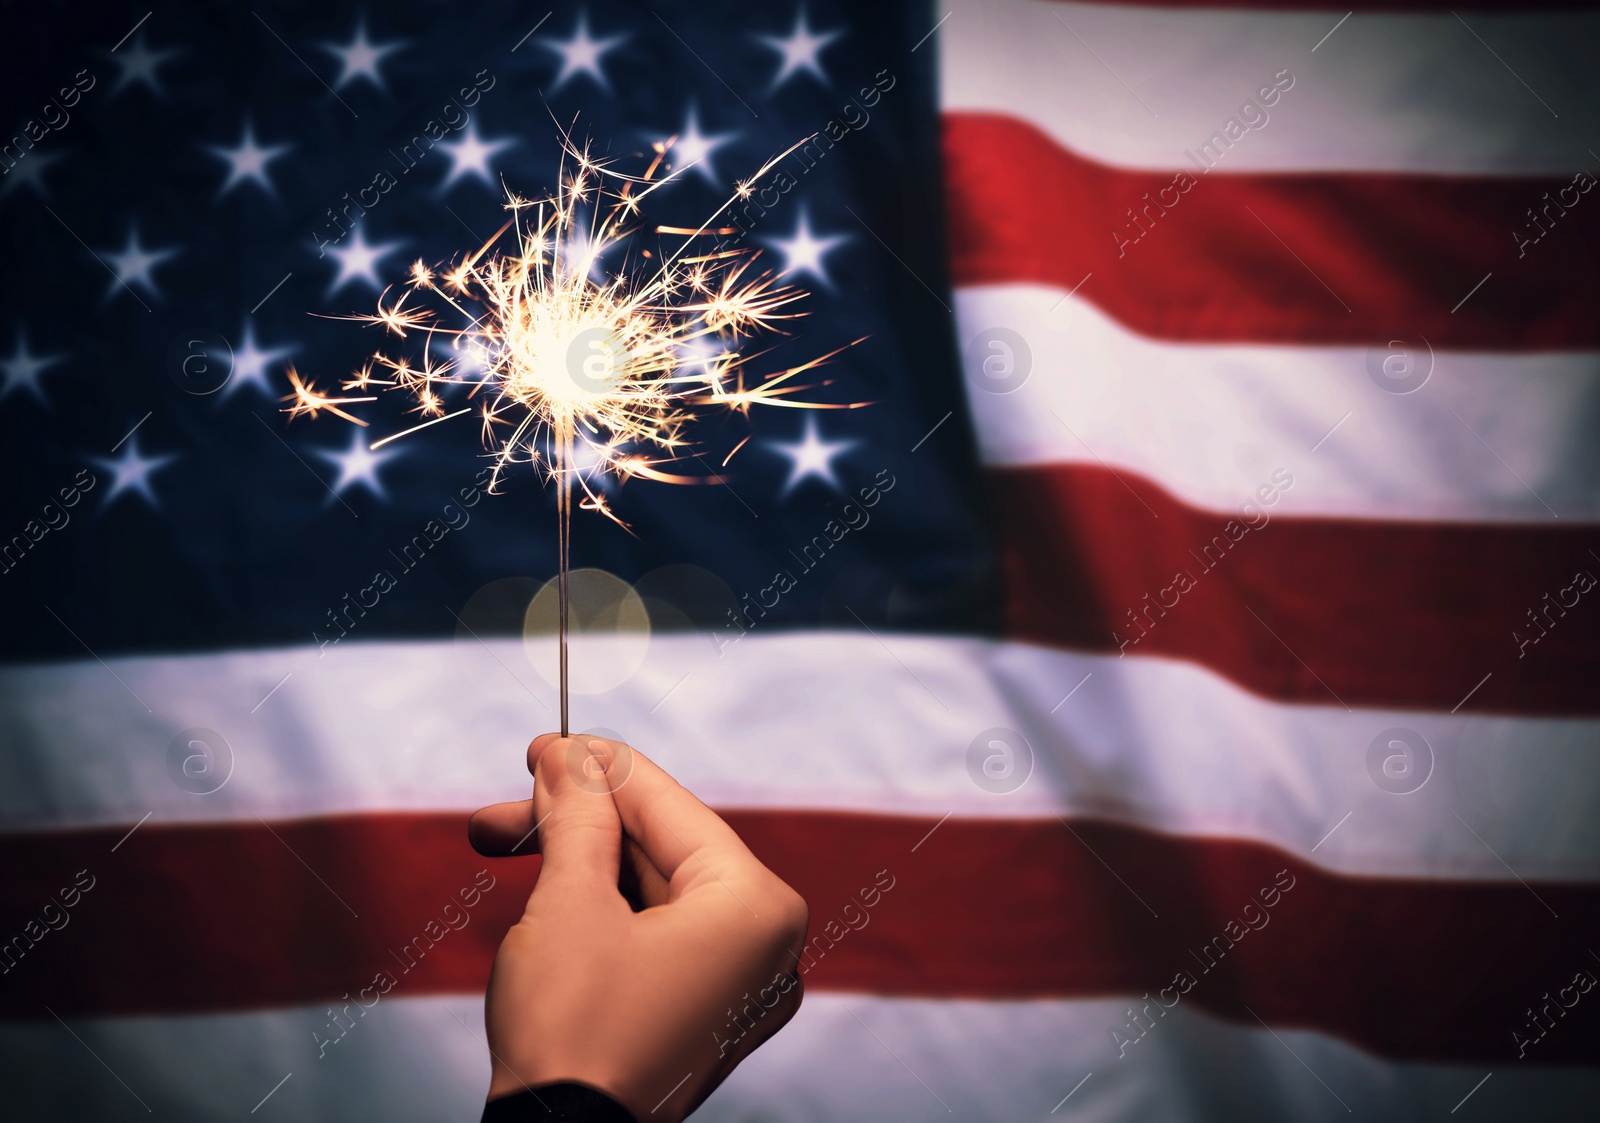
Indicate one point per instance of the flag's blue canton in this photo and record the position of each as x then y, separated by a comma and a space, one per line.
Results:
224, 173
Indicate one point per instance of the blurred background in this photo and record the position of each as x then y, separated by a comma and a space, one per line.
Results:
1174, 694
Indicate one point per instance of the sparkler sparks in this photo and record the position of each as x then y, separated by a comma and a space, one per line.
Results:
553, 357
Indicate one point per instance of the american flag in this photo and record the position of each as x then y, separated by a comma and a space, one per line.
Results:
1175, 696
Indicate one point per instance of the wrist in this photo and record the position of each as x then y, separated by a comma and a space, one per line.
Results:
557, 1102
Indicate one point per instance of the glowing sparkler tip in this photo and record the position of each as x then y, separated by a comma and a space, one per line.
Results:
608, 369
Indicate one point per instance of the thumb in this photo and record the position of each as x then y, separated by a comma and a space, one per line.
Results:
580, 833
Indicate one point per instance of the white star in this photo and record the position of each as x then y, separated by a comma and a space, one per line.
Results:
803, 251
23, 368
133, 265
582, 54
29, 173
133, 472
812, 456
247, 161
470, 156
705, 354
358, 260
357, 464
588, 455
695, 148
361, 58
139, 64
799, 49
250, 363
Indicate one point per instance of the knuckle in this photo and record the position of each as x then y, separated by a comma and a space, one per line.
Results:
796, 915
784, 912
578, 817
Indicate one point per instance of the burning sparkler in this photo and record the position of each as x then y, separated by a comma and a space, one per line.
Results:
620, 365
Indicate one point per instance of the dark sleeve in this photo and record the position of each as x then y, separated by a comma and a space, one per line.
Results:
557, 1103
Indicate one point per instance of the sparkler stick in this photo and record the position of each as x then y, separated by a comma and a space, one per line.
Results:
563, 562
619, 366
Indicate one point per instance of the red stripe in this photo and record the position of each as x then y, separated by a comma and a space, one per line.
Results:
224, 916
1398, 252
1359, 612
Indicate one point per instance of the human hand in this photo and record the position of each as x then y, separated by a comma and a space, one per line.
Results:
649, 1007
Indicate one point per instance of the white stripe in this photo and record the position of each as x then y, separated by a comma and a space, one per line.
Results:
1137, 86
406, 1059
811, 720
1488, 437
425, 1059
